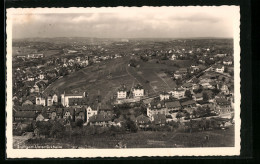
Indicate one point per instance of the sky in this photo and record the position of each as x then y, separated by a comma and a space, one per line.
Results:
144, 22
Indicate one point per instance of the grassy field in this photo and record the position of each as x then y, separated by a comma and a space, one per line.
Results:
148, 139
95, 79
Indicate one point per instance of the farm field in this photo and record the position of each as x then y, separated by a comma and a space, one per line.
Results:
95, 79
152, 139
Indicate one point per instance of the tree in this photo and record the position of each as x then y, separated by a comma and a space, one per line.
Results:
79, 123
57, 129
44, 127
194, 113
205, 96
178, 115
131, 125
188, 94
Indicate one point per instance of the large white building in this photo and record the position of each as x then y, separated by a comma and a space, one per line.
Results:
178, 93
65, 97
138, 91
121, 93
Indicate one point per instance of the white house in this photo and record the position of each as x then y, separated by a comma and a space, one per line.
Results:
49, 101
121, 93
65, 97
41, 76
40, 101
178, 93
173, 57
30, 78
138, 91
164, 96
55, 98
90, 113
218, 68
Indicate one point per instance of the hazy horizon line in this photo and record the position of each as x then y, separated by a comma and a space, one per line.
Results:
213, 37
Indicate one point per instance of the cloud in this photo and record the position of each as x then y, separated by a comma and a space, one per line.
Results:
160, 22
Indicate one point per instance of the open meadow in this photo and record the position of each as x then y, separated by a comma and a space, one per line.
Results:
106, 77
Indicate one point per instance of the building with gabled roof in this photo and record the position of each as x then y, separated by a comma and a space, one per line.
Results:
178, 93
188, 103
173, 106
138, 91
142, 121
158, 119
122, 92
100, 120
24, 116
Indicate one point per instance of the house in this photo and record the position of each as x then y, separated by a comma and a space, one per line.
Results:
40, 100
65, 97
222, 105
187, 86
121, 93
27, 102
30, 78
80, 113
220, 55
198, 97
158, 119
227, 61
49, 101
41, 76
24, 116
183, 71
79, 102
31, 108
90, 112
178, 93
173, 106
36, 88
156, 107
54, 98
138, 91
188, 103
42, 117
194, 68
224, 89
100, 120
218, 68
177, 75
142, 121
69, 114
173, 57
164, 96
55, 113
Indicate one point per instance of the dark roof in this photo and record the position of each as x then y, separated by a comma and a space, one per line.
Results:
79, 110
222, 101
159, 118
189, 102
70, 110
78, 101
100, 118
198, 95
187, 85
217, 66
122, 88
157, 104
138, 86
36, 108
142, 118
173, 104
25, 114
